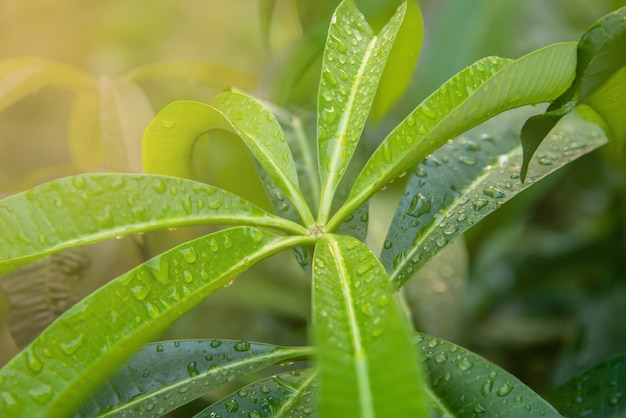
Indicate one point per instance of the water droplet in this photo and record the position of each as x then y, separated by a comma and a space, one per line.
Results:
213, 246
265, 389
441, 358
254, 414
339, 44
189, 255
159, 348
329, 115
399, 259
79, 182
32, 362
419, 206
487, 388
428, 112
140, 292
479, 409
544, 161
41, 394
167, 124
227, 242
242, 346
478, 204
504, 390
472, 146
615, 398
329, 77
441, 241
451, 229
465, 364
231, 406
467, 160
72, 346
493, 192
215, 343
192, 369
377, 332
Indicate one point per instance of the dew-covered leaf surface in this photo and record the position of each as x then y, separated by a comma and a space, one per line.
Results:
477, 93
287, 395
143, 387
54, 374
597, 392
354, 59
367, 362
463, 384
469, 178
86, 208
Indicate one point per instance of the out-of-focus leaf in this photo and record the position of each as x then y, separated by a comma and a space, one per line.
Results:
84, 134
21, 77
597, 392
436, 293
367, 362
469, 178
124, 114
481, 91
202, 73
401, 62
8, 348
86, 208
144, 386
463, 384
288, 395
74, 355
354, 59
266, 11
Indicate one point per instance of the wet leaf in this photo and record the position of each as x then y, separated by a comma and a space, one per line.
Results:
479, 92
598, 391
354, 59
469, 178
464, 384
288, 395
77, 210
75, 354
195, 367
362, 336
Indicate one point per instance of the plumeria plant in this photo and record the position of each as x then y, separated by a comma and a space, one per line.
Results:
460, 163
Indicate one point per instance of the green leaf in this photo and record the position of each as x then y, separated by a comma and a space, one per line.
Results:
124, 113
469, 178
170, 138
266, 12
479, 92
266, 140
21, 77
598, 391
464, 384
194, 368
286, 395
81, 209
84, 134
354, 59
401, 62
600, 82
76, 353
367, 362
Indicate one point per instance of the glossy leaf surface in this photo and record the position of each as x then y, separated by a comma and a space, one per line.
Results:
363, 339
142, 386
354, 59
464, 384
287, 395
469, 178
82, 209
75, 354
479, 92
597, 392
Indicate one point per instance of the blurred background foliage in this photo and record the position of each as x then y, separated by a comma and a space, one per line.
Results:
539, 287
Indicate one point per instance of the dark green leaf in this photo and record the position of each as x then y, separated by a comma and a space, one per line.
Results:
144, 386
288, 395
469, 178
463, 384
